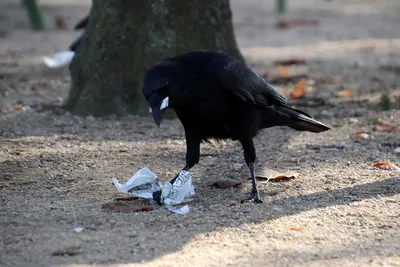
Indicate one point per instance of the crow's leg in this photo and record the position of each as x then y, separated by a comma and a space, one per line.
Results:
250, 158
192, 158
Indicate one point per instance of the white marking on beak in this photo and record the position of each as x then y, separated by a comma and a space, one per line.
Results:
164, 103
150, 110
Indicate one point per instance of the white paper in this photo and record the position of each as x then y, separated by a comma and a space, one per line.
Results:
180, 210
59, 59
144, 182
78, 229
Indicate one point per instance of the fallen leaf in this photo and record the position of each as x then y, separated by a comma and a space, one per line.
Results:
270, 175
360, 135
124, 207
345, 93
18, 107
283, 72
129, 198
384, 127
299, 89
60, 22
368, 48
296, 228
383, 164
144, 209
227, 184
288, 62
386, 164
295, 22
232, 203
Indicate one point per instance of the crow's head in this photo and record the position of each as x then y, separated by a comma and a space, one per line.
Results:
155, 89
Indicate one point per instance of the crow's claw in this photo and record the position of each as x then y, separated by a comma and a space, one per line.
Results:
252, 198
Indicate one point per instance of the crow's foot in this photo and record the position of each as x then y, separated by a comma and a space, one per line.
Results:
253, 198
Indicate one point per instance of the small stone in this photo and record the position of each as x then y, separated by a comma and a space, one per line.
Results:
327, 113
353, 120
90, 119
397, 150
237, 166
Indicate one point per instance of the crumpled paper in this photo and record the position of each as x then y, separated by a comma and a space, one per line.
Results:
144, 182
59, 59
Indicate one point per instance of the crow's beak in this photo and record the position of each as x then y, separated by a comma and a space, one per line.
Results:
158, 111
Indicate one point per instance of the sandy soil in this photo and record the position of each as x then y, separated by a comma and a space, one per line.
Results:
56, 168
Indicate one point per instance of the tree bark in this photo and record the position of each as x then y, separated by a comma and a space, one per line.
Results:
125, 37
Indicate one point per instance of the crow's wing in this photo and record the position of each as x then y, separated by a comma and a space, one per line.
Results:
248, 86
82, 23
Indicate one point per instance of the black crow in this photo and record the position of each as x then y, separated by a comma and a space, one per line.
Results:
217, 96
80, 25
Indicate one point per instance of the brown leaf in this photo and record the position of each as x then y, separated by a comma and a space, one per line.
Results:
129, 198
296, 228
60, 22
384, 127
295, 22
283, 72
386, 165
289, 62
271, 175
232, 203
345, 93
144, 209
360, 135
18, 107
227, 184
368, 48
124, 207
299, 89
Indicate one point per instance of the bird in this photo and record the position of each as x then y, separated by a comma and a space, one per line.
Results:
217, 96
82, 24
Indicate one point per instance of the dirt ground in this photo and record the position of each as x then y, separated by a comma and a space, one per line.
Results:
56, 168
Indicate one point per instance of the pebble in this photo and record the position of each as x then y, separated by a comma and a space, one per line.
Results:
397, 150
353, 120
237, 166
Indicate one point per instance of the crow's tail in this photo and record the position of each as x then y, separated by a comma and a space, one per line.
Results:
300, 120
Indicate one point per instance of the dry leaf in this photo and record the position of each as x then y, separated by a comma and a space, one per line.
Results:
270, 175
18, 107
288, 62
368, 48
295, 22
360, 135
299, 90
129, 198
345, 93
227, 184
60, 23
292, 227
386, 165
384, 127
124, 207
144, 209
283, 72
232, 203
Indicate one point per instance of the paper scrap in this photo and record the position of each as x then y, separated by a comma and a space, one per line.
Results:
59, 59
144, 183
180, 210
78, 229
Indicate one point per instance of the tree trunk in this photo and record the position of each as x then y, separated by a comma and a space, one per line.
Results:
126, 37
